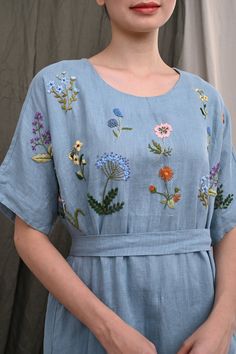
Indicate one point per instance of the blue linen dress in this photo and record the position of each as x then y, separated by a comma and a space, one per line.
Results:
145, 187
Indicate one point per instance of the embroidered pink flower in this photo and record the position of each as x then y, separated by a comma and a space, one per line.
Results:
163, 130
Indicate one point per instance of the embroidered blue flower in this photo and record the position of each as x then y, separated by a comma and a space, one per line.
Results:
115, 167
65, 91
116, 123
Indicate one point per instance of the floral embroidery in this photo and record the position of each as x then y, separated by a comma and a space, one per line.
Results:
223, 118
204, 99
66, 92
162, 131
42, 138
208, 185
64, 213
115, 167
166, 173
208, 136
220, 202
78, 159
116, 123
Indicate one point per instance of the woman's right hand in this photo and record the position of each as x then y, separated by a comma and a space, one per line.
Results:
124, 339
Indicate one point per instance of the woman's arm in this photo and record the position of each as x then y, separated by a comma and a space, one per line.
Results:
225, 293
53, 271
51, 268
214, 335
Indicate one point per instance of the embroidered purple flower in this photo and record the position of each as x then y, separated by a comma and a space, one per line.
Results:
115, 167
208, 185
65, 91
116, 123
42, 138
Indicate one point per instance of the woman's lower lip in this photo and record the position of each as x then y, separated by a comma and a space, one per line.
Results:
147, 10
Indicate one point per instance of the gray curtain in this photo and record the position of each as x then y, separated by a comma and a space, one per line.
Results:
35, 33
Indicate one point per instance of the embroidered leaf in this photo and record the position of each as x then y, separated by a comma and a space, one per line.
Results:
41, 158
116, 135
220, 202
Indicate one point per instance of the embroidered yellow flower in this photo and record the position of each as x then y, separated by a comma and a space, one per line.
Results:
78, 158
204, 98
78, 145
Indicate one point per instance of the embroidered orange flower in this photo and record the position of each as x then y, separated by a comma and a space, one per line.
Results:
166, 173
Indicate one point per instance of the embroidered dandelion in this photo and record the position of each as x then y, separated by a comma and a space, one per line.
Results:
208, 185
115, 167
42, 138
166, 174
78, 159
116, 123
204, 99
65, 91
162, 131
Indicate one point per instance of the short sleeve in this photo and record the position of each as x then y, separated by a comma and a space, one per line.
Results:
224, 214
28, 183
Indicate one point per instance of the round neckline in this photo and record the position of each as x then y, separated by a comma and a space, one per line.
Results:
171, 91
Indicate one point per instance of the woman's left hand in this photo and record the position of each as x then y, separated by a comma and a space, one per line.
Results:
212, 337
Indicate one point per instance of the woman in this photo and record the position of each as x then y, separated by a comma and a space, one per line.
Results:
137, 159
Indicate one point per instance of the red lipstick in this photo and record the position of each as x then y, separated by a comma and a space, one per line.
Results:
145, 7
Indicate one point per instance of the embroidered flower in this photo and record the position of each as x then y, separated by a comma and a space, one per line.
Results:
78, 159
220, 201
42, 138
166, 174
208, 185
162, 131
65, 91
204, 99
65, 214
117, 123
115, 167
208, 136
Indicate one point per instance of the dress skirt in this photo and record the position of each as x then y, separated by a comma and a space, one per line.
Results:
160, 283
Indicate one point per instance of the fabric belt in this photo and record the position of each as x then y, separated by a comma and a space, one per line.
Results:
146, 243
